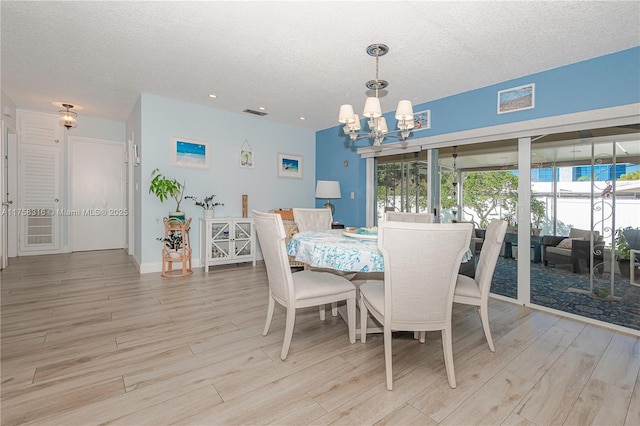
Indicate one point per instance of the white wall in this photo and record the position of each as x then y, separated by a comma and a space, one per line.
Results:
163, 118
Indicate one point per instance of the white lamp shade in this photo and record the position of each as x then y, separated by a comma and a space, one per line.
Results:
328, 189
346, 114
355, 126
372, 108
404, 111
381, 124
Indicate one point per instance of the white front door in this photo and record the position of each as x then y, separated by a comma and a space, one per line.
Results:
98, 213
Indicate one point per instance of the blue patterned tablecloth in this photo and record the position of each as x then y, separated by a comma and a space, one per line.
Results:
331, 249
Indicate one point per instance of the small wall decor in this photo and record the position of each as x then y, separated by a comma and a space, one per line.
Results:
422, 120
516, 98
246, 155
190, 153
289, 166
245, 205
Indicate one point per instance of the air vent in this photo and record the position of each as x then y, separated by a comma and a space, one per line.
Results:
254, 112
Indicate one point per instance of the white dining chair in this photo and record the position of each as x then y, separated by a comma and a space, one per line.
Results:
312, 219
409, 217
475, 291
308, 219
421, 262
301, 289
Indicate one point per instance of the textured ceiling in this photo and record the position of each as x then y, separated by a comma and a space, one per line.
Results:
301, 58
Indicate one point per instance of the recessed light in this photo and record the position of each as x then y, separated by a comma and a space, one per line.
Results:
212, 96
262, 108
303, 118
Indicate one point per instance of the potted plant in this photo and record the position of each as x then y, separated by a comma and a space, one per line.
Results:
623, 252
172, 243
537, 215
163, 188
207, 204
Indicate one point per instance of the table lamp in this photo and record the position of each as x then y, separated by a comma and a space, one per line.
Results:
328, 189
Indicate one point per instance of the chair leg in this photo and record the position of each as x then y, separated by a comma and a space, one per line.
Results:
388, 357
363, 321
270, 309
334, 309
447, 348
322, 313
351, 318
484, 317
288, 332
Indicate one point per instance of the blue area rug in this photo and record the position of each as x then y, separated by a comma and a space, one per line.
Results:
554, 287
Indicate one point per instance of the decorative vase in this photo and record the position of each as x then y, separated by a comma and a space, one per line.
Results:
208, 213
177, 215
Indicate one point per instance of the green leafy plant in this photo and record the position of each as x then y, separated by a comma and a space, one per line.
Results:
623, 250
163, 188
207, 203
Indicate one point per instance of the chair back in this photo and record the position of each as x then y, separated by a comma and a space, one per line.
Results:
271, 238
493, 239
633, 238
312, 219
421, 262
409, 217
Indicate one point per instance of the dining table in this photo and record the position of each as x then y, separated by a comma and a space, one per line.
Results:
337, 249
341, 250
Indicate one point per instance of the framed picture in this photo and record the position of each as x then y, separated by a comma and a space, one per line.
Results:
190, 153
289, 166
246, 156
516, 98
422, 120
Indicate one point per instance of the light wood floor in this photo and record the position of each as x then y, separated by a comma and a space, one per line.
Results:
86, 340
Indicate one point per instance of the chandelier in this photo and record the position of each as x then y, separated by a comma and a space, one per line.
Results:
373, 111
68, 118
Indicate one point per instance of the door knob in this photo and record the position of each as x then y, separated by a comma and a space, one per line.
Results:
7, 203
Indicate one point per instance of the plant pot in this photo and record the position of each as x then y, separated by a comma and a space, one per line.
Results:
174, 254
208, 213
177, 215
624, 265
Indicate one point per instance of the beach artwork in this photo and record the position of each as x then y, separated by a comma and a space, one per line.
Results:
516, 99
246, 156
190, 153
289, 166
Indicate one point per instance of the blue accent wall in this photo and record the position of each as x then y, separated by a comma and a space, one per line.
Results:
603, 82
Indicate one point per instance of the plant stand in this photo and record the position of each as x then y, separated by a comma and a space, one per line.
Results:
181, 254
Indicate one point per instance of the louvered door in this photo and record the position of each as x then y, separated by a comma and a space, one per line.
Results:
40, 181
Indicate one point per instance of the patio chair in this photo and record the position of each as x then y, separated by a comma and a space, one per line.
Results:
573, 249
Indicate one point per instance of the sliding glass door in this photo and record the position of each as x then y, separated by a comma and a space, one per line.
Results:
402, 184
587, 188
